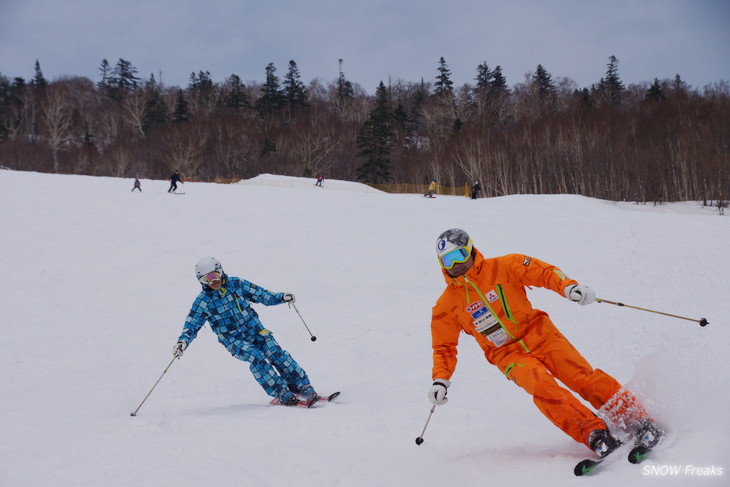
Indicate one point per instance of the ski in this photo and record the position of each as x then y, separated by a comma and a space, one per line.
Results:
590, 465
300, 404
308, 403
329, 398
586, 466
639, 453
644, 443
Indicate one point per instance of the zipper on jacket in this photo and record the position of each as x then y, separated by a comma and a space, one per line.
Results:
505, 306
223, 292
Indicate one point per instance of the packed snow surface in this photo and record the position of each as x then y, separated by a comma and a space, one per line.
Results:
97, 281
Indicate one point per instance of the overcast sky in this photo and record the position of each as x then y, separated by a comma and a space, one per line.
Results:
377, 40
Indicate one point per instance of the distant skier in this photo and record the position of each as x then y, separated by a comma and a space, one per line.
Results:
476, 187
225, 303
431, 189
174, 179
486, 298
320, 181
137, 185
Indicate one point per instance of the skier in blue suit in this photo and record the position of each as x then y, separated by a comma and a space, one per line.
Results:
225, 303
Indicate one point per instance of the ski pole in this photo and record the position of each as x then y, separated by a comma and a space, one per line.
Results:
419, 440
153, 387
701, 321
314, 338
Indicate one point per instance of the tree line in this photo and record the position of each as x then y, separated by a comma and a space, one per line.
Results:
648, 142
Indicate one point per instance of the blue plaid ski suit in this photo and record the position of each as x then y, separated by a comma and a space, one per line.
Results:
229, 313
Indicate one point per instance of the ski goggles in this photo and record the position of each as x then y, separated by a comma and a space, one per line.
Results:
456, 256
210, 277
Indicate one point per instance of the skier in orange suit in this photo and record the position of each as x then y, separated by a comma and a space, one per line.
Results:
486, 298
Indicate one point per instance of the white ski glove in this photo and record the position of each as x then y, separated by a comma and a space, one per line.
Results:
437, 393
580, 294
179, 348
288, 298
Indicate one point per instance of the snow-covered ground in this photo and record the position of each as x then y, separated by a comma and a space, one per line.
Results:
97, 280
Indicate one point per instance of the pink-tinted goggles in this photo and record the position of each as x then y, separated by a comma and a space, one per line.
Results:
210, 277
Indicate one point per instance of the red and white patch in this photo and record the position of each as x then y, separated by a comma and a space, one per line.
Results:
492, 296
474, 306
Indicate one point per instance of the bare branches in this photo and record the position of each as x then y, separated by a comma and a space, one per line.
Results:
649, 142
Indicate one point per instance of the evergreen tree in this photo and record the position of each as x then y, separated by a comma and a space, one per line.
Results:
483, 79
235, 98
6, 95
124, 77
374, 139
201, 88
295, 93
545, 85
400, 116
38, 80
268, 147
655, 92
612, 86
88, 136
404, 126
498, 84
344, 87
272, 96
155, 114
182, 110
13, 105
585, 97
343, 91
104, 86
443, 85
679, 85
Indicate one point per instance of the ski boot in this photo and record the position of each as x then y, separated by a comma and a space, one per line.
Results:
288, 398
647, 434
602, 442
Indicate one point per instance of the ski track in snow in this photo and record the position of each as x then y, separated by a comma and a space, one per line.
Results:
98, 280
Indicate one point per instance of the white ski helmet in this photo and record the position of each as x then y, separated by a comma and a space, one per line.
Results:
450, 240
206, 265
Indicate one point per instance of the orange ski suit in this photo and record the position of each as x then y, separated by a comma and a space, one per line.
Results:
490, 303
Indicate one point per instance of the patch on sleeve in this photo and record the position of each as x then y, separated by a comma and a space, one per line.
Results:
526, 260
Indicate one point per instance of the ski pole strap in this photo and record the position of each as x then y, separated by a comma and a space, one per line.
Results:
701, 321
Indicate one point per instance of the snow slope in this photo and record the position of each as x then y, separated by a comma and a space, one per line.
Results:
97, 281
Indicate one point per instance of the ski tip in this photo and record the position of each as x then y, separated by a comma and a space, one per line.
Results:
639, 454
333, 395
585, 467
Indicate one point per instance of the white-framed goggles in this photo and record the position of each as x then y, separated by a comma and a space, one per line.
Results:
210, 277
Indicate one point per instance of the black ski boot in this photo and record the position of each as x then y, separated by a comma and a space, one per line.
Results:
602, 442
647, 434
